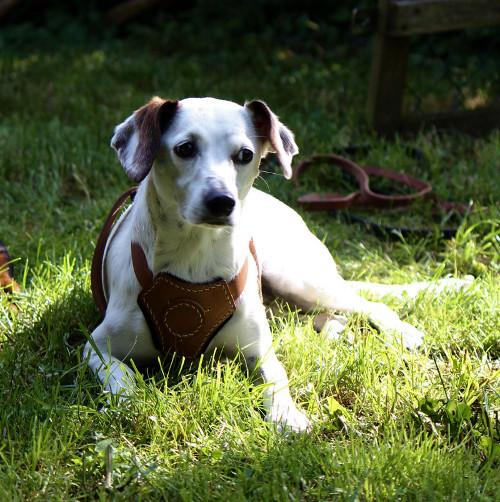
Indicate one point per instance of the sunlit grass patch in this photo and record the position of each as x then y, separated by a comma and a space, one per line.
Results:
388, 424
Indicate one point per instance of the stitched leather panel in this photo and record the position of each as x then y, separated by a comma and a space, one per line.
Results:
183, 317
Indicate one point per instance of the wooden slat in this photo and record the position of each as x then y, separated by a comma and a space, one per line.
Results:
388, 75
478, 121
7, 5
413, 17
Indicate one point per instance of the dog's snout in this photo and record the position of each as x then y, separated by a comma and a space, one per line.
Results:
219, 204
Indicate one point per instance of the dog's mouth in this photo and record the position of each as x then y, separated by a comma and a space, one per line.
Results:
216, 222
208, 221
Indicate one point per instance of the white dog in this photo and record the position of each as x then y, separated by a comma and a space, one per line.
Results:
194, 219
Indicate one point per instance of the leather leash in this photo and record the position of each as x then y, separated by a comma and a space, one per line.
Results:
368, 197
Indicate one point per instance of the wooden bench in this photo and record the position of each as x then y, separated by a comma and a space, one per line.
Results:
396, 21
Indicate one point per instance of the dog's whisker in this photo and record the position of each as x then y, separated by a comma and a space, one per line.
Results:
265, 181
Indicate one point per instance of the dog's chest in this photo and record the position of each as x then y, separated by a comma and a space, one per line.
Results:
193, 259
183, 316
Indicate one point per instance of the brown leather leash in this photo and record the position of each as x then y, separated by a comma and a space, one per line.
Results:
368, 197
183, 317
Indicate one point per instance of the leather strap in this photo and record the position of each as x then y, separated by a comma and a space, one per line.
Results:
97, 259
365, 196
146, 278
259, 274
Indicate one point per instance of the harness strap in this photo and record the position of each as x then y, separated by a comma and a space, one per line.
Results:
146, 278
97, 259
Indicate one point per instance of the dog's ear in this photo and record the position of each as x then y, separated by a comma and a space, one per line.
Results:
275, 136
138, 139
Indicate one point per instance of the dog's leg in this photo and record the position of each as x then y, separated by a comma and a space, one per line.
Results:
278, 403
383, 317
116, 377
411, 290
297, 266
254, 344
379, 314
328, 291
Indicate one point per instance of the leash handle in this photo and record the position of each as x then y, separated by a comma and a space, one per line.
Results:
97, 259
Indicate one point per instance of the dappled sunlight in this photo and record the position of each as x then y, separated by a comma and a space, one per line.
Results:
387, 422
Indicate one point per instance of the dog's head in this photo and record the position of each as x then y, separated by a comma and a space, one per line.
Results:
203, 154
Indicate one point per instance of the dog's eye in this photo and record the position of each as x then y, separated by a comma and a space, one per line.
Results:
184, 150
244, 156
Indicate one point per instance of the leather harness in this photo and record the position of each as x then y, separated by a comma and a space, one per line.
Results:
183, 317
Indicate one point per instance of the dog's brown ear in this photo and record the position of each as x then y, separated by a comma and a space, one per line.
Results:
275, 136
138, 139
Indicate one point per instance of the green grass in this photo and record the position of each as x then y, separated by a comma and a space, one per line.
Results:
388, 424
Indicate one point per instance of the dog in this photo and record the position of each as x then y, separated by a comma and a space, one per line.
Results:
7, 283
197, 220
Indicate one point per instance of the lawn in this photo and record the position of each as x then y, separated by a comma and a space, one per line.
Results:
389, 424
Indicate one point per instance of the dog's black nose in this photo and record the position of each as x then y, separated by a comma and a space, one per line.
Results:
220, 205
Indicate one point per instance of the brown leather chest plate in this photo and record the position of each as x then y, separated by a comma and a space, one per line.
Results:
183, 316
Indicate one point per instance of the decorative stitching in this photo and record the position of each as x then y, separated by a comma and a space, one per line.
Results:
191, 306
165, 336
158, 323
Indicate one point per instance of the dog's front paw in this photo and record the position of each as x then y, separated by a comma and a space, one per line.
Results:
289, 419
412, 337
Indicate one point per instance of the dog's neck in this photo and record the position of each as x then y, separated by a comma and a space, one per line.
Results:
194, 253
